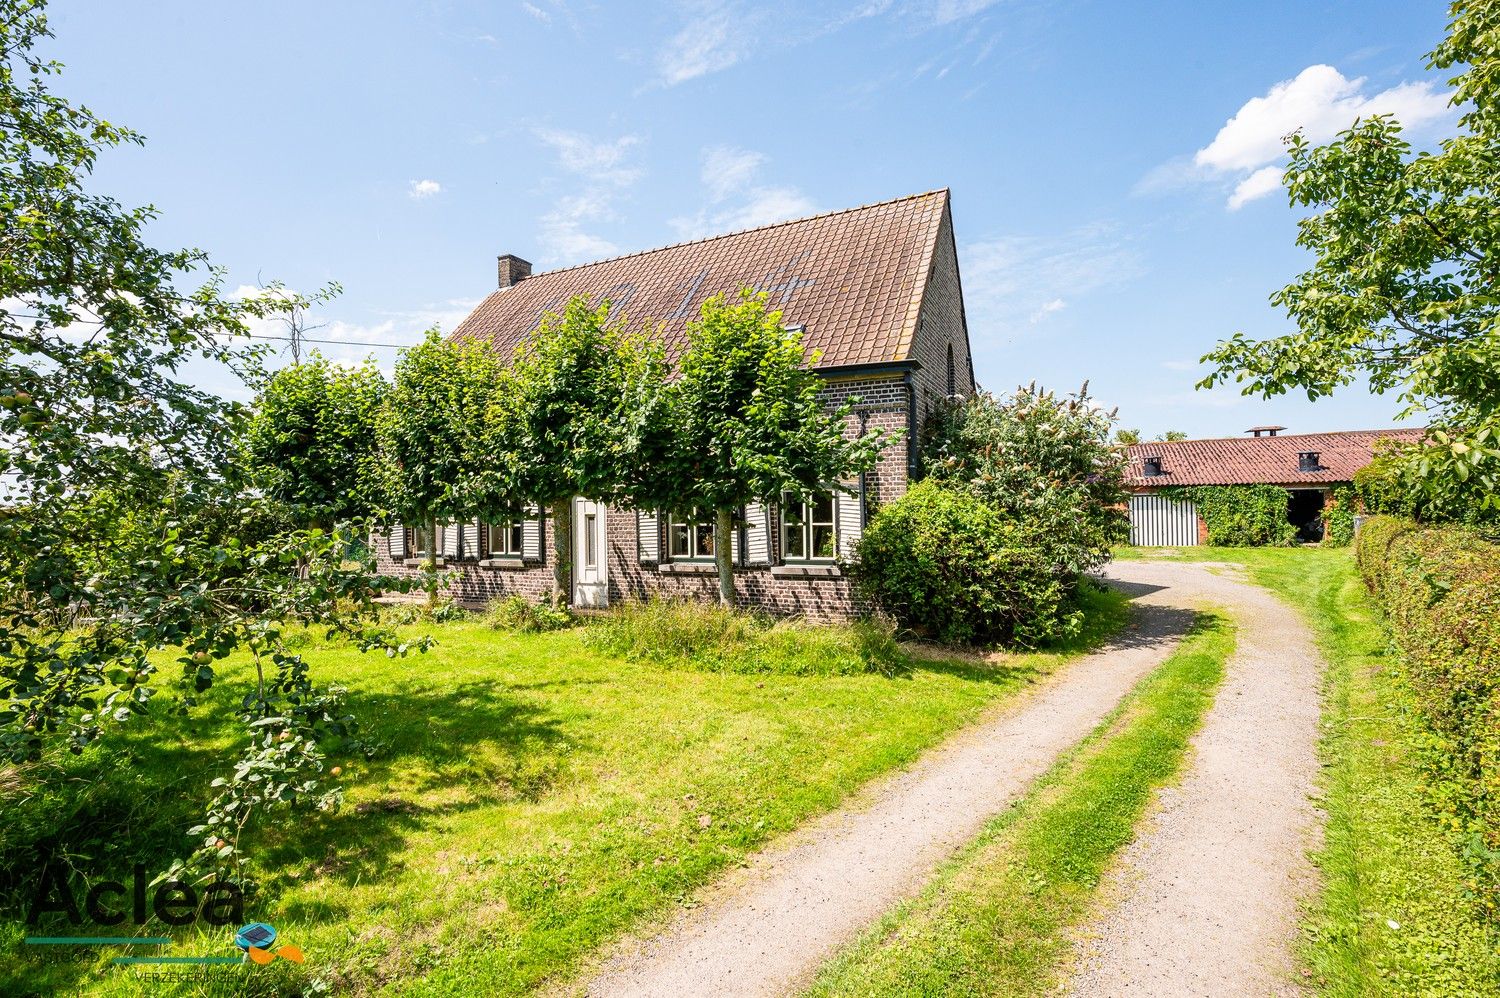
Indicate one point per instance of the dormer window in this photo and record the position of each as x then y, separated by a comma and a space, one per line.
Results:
1153, 467
1307, 460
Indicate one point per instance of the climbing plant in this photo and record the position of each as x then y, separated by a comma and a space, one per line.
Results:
1240, 515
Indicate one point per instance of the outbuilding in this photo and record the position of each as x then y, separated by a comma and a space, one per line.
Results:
1307, 465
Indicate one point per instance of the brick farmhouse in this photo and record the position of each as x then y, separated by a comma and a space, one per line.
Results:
876, 291
1307, 465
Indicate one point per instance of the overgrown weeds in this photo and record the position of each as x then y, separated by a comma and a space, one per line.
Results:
516, 613
700, 636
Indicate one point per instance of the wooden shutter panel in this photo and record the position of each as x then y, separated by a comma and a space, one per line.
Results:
450, 534
398, 543
758, 534
737, 554
531, 535
470, 539
648, 536
849, 517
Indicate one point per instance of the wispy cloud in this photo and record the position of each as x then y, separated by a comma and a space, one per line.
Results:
423, 189
604, 169
713, 37
1014, 283
536, 12
1249, 149
736, 197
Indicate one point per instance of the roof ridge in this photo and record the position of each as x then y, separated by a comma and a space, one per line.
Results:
738, 232
1280, 436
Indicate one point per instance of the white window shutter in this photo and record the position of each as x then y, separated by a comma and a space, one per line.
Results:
470, 541
450, 534
648, 536
849, 513
737, 554
398, 543
758, 534
531, 536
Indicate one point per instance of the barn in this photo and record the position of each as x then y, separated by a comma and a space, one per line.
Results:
1307, 465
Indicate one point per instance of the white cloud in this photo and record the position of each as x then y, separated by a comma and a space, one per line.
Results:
1180, 365
421, 189
715, 37
1011, 283
536, 12
1321, 102
1260, 183
727, 170
736, 199
948, 11
604, 168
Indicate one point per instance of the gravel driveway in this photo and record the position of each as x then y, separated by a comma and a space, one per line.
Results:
766, 929
1204, 902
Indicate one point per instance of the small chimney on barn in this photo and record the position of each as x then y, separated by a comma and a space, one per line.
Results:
512, 270
1269, 431
1153, 467
1308, 460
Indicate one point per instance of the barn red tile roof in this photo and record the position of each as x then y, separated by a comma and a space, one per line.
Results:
1255, 460
853, 278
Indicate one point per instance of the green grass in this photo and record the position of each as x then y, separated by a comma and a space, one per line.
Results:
1395, 916
535, 798
995, 921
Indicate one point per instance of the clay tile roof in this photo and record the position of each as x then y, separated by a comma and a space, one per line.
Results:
853, 278
1259, 460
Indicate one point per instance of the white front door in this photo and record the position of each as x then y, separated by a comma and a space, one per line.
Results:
590, 561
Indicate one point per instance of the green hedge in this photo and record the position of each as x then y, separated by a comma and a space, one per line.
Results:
1441, 590
1241, 516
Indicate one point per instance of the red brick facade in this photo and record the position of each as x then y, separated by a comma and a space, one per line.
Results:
929, 361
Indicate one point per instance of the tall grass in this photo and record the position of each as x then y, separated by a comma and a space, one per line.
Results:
694, 635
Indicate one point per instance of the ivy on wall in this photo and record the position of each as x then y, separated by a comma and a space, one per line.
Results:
1240, 515
1338, 517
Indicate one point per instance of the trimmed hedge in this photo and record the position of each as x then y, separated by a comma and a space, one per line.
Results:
1441, 590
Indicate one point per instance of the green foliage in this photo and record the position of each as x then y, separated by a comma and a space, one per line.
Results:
1044, 463
1389, 486
311, 442
948, 566
517, 613
689, 634
1401, 293
1441, 590
1338, 516
1241, 516
748, 422
131, 528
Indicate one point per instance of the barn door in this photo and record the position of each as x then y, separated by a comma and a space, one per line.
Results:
1156, 521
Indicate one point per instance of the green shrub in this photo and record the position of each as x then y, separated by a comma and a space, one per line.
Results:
697, 635
947, 566
1388, 487
517, 613
1338, 517
1241, 516
1441, 589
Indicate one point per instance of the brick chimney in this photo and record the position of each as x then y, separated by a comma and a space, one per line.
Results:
512, 270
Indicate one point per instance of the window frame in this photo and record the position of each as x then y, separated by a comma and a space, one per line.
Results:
415, 550
806, 529
514, 538
694, 527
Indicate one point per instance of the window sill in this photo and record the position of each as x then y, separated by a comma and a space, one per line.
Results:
422, 563
504, 564
806, 572
687, 568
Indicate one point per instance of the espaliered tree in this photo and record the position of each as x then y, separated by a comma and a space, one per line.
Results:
747, 423
1401, 293
581, 416
436, 441
311, 443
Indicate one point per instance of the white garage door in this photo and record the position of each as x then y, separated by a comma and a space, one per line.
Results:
1159, 521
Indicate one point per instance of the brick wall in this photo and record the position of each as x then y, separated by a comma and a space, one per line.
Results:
941, 325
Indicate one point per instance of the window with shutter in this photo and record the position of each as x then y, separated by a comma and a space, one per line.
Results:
470, 542
851, 518
809, 527
648, 537
397, 542
531, 536
451, 535
758, 534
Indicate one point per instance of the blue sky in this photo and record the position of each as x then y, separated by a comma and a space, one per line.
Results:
1113, 165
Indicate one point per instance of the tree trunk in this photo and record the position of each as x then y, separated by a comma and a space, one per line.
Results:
562, 551
724, 554
432, 557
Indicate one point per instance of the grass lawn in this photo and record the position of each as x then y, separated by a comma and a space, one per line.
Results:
1395, 915
534, 799
996, 919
